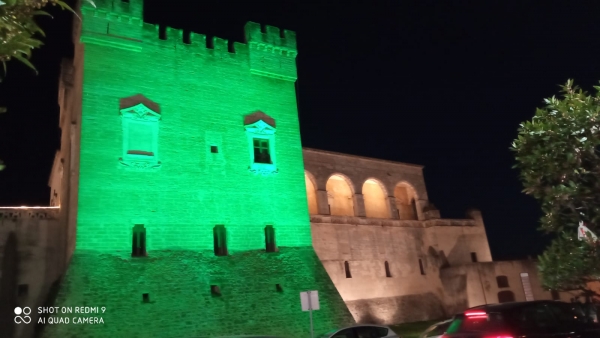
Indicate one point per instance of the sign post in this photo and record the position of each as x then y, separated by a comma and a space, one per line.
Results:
310, 302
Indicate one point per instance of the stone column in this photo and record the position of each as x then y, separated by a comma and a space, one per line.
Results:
393, 208
359, 205
322, 202
420, 205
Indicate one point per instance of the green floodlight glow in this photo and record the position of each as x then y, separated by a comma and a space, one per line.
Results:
192, 210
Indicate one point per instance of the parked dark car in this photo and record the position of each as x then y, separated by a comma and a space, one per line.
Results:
536, 319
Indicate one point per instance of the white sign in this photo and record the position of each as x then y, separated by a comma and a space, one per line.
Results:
583, 232
309, 300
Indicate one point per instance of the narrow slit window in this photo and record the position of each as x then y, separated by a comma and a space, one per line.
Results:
474, 257
215, 290
220, 239
347, 269
146, 298
214, 149
261, 151
270, 239
139, 241
421, 267
388, 273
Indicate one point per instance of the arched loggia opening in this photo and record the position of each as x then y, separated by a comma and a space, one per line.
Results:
406, 201
311, 195
340, 196
376, 203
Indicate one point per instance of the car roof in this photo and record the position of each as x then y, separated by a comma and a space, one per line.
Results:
513, 305
358, 325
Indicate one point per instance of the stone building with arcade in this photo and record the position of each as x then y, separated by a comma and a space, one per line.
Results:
182, 201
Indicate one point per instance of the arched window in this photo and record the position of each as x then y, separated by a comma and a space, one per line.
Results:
340, 196
502, 281
506, 296
376, 204
406, 201
311, 195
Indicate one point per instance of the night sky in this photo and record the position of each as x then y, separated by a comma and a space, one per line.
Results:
443, 84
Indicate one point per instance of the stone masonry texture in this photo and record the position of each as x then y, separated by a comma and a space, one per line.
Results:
203, 96
181, 303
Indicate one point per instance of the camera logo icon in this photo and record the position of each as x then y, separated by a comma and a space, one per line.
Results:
25, 312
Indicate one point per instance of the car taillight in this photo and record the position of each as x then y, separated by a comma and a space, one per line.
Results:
475, 314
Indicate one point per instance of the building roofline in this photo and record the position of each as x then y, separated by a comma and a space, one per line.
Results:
363, 158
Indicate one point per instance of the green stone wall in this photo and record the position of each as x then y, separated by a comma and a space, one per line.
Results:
203, 96
181, 303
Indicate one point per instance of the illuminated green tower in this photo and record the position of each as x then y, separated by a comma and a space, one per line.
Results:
192, 214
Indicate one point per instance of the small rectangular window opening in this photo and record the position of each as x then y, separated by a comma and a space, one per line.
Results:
214, 290
388, 273
231, 46
282, 33
125, 1
502, 281
278, 287
23, 290
138, 248
263, 28
261, 151
347, 269
421, 267
146, 298
220, 240
210, 42
270, 239
214, 149
474, 257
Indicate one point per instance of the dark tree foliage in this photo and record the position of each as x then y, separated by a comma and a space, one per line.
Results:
558, 155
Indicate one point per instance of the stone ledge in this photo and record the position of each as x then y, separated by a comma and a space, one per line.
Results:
29, 212
390, 222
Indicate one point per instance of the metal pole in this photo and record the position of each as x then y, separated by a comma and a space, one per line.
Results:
310, 314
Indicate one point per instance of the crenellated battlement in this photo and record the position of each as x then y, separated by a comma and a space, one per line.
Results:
130, 8
268, 50
271, 38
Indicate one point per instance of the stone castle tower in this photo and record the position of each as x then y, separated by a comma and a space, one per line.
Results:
187, 202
